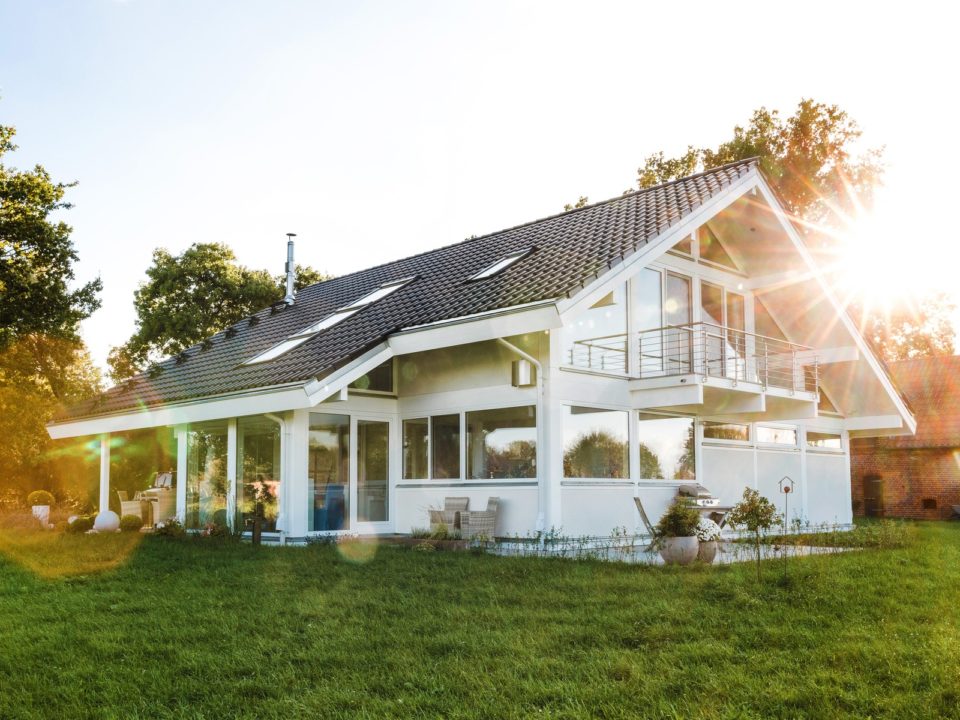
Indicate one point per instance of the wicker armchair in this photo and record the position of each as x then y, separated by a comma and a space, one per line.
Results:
134, 507
449, 517
480, 523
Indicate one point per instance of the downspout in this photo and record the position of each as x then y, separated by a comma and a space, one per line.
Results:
284, 474
541, 434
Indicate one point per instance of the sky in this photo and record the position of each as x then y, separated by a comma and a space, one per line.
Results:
375, 130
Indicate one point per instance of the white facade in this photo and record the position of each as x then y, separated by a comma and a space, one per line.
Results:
677, 365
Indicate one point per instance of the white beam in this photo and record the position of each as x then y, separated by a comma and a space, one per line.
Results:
874, 422
231, 473
182, 473
104, 472
828, 356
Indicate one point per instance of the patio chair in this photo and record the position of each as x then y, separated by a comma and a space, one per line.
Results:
450, 516
651, 532
480, 523
137, 507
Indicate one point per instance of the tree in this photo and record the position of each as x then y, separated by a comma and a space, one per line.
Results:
756, 514
37, 256
650, 468
596, 454
581, 202
43, 363
921, 328
191, 296
807, 158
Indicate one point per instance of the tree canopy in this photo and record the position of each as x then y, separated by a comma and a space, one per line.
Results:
191, 296
43, 362
921, 328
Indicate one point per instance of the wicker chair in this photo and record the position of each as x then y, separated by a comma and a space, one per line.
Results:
449, 517
134, 507
480, 523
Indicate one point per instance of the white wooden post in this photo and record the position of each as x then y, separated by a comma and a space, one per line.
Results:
182, 473
104, 472
232, 473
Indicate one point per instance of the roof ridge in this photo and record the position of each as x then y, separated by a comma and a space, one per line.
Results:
566, 213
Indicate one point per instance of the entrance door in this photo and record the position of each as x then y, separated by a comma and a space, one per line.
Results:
371, 486
873, 496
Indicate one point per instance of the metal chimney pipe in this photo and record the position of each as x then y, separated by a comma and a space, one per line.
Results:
291, 271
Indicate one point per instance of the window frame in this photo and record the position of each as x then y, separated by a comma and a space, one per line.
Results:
599, 408
702, 423
773, 445
817, 448
495, 268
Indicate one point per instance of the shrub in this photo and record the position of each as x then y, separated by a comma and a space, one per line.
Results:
81, 524
707, 530
419, 533
170, 529
40, 497
131, 523
217, 531
680, 520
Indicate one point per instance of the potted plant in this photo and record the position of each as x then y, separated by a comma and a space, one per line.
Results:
677, 533
708, 533
40, 502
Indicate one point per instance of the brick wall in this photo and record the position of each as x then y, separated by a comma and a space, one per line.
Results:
909, 476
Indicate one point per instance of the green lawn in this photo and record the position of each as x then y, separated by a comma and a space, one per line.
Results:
116, 626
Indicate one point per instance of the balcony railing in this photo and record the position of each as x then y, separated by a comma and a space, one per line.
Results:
703, 349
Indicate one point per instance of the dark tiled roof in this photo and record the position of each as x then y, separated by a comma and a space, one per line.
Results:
570, 250
932, 387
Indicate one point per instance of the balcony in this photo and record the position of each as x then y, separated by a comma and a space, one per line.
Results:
732, 371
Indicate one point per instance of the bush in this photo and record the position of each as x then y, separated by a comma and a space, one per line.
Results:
170, 529
131, 523
218, 531
680, 520
40, 497
82, 524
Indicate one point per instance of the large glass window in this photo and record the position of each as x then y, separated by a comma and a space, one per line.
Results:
597, 339
595, 443
328, 472
649, 315
667, 447
776, 435
502, 443
373, 462
206, 475
445, 439
725, 431
415, 445
712, 250
677, 341
258, 469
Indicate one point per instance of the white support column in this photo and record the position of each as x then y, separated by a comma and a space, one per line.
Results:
104, 473
232, 473
181, 431
299, 502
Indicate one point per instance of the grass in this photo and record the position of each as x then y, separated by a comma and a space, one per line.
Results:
138, 627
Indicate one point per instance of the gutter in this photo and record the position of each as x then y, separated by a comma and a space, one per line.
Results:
541, 436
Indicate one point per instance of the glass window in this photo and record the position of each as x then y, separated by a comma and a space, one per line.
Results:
667, 447
328, 472
380, 379
206, 475
445, 439
378, 294
595, 443
824, 440
258, 470
649, 314
684, 247
725, 431
712, 251
373, 463
499, 266
502, 443
825, 405
597, 338
415, 441
776, 435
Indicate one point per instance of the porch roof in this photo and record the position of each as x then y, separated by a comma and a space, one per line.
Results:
567, 251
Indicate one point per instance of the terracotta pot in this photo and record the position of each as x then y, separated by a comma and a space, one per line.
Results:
707, 551
679, 550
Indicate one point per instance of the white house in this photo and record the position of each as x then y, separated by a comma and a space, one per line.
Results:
565, 366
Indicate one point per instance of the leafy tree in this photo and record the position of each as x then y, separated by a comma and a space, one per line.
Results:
581, 202
43, 363
807, 158
37, 256
756, 514
191, 296
920, 328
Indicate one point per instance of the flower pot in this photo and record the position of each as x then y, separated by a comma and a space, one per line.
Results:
42, 514
679, 550
707, 551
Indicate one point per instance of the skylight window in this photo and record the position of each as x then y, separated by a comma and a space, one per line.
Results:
298, 338
499, 266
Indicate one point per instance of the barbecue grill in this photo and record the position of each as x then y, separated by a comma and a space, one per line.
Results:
699, 495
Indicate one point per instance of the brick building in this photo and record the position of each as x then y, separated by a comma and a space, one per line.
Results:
914, 476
